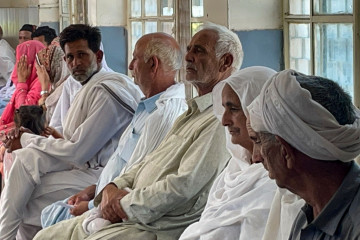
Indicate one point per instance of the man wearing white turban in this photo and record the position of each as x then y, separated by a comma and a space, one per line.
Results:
240, 198
309, 133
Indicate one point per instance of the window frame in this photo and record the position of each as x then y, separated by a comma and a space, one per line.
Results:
144, 18
312, 19
182, 31
77, 12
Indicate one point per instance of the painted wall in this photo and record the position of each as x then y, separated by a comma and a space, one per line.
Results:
49, 14
262, 48
255, 14
18, 3
216, 11
258, 23
115, 47
111, 17
107, 13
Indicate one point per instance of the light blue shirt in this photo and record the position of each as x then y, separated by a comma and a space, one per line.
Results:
127, 144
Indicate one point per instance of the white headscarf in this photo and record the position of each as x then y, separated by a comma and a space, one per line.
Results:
247, 84
240, 198
103, 61
286, 109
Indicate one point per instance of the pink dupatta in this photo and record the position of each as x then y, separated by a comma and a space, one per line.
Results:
27, 93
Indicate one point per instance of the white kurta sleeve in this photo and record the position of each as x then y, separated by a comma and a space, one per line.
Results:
104, 118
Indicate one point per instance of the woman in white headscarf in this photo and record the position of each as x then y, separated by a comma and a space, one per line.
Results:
240, 199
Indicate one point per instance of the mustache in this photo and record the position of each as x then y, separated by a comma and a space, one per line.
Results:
233, 129
77, 69
132, 73
192, 66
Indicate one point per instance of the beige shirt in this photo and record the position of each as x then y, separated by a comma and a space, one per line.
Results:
171, 186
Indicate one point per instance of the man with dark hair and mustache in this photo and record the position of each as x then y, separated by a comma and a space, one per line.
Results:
159, 197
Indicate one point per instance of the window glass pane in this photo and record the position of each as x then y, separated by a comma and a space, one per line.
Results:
194, 27
299, 7
197, 9
150, 27
73, 11
333, 6
65, 22
136, 33
151, 8
135, 8
167, 7
334, 53
299, 40
80, 11
65, 6
167, 27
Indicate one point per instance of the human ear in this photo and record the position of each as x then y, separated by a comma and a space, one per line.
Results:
155, 64
287, 152
226, 62
99, 56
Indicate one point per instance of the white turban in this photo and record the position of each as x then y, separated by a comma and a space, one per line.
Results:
286, 109
247, 84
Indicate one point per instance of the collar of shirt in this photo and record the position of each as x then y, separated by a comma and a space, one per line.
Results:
147, 104
332, 214
201, 102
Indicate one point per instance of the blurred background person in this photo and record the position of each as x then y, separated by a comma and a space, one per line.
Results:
44, 34
7, 60
25, 32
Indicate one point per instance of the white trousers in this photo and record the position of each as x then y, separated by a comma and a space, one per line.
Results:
35, 182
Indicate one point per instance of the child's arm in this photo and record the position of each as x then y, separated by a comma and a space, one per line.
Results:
51, 131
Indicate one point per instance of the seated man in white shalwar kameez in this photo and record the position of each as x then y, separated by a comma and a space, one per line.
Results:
69, 88
308, 131
164, 101
159, 197
240, 199
47, 170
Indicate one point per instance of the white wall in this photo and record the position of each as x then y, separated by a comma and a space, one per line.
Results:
107, 13
49, 11
216, 11
18, 3
255, 14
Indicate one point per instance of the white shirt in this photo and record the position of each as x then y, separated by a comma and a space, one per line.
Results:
7, 61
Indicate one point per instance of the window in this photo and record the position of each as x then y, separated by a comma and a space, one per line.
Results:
321, 38
197, 15
148, 16
169, 16
71, 11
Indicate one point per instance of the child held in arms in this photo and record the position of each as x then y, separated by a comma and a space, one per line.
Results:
31, 119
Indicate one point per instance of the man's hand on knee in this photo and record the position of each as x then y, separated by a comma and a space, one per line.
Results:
85, 195
79, 208
110, 203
